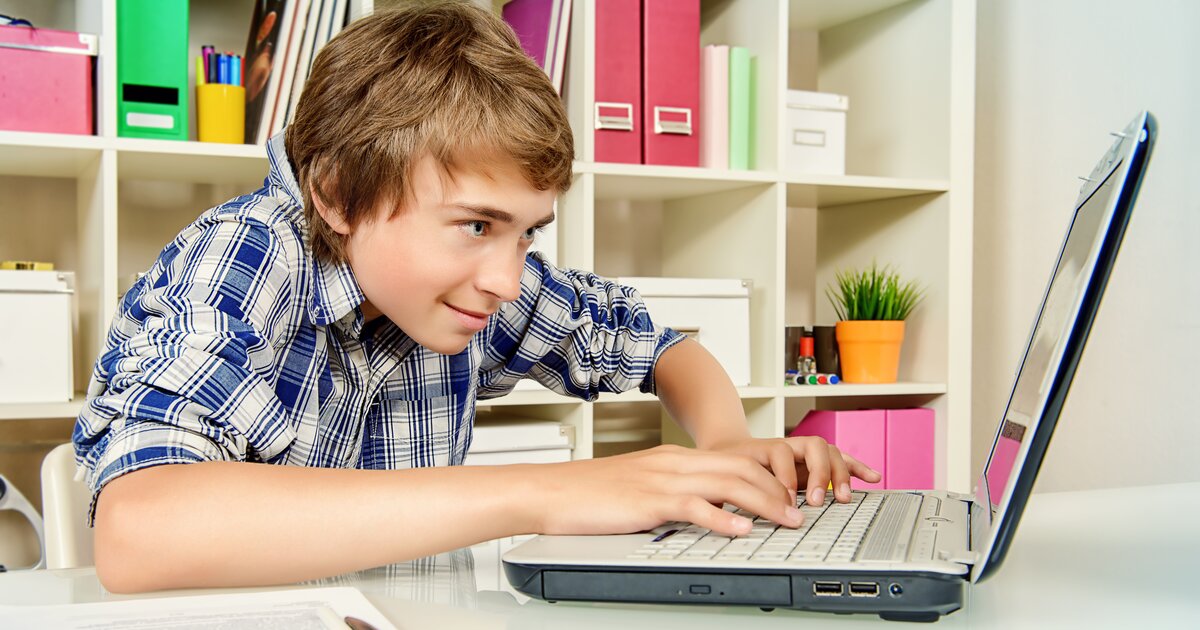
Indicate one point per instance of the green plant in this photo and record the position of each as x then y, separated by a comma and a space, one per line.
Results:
873, 294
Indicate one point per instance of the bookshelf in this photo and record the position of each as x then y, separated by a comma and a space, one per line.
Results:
907, 66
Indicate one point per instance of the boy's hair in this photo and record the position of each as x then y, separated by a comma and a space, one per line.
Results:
447, 79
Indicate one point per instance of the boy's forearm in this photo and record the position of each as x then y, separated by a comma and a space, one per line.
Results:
237, 524
698, 394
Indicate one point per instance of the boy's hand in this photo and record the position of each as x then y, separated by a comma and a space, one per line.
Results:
639, 491
804, 461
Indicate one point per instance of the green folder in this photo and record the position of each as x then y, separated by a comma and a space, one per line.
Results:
741, 109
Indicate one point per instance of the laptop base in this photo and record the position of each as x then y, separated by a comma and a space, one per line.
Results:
895, 597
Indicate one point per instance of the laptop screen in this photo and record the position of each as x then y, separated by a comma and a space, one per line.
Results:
1049, 339
1056, 343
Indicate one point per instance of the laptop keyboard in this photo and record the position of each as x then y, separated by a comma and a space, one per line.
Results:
871, 527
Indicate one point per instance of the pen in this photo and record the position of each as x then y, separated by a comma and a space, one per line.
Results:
200, 78
358, 624
204, 52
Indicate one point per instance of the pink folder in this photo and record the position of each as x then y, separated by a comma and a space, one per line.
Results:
671, 82
858, 433
530, 20
618, 107
909, 449
714, 107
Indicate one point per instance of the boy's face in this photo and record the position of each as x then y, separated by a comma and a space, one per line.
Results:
452, 255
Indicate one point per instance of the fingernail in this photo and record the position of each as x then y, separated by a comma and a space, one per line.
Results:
817, 496
845, 488
794, 515
742, 525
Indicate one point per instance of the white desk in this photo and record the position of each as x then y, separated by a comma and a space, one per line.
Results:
1076, 563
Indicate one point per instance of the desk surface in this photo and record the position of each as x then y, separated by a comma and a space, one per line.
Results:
1079, 560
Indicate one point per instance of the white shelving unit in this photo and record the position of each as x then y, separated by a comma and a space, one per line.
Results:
907, 66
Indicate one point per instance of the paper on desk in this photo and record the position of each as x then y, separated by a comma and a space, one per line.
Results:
296, 609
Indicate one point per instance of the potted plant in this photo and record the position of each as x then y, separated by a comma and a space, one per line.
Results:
871, 307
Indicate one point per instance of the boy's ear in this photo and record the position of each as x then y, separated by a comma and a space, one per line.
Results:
332, 216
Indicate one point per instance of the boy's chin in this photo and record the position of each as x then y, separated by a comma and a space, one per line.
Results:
446, 344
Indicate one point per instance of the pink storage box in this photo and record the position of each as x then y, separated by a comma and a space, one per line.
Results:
47, 80
896, 442
909, 449
861, 434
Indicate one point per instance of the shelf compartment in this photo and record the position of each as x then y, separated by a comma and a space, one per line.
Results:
641, 182
43, 411
745, 393
206, 162
826, 191
842, 390
821, 14
47, 154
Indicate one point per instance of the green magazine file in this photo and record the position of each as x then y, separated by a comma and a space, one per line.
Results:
152, 69
740, 111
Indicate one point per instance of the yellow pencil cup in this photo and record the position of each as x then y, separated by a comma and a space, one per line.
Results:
221, 113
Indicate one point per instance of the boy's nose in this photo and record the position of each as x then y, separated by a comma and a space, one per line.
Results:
501, 276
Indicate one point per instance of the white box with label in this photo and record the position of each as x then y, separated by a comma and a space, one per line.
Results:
713, 311
816, 133
37, 316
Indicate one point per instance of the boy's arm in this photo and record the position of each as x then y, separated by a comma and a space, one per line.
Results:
222, 524
698, 394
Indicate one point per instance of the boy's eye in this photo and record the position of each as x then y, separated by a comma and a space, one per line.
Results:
530, 233
475, 228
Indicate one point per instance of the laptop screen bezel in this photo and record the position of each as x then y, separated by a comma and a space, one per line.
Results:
1128, 162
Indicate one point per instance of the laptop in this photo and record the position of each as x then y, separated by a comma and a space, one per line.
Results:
903, 555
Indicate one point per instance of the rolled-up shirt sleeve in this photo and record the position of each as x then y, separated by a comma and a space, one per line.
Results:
188, 369
576, 333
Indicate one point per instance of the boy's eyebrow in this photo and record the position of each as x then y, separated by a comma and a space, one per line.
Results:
502, 216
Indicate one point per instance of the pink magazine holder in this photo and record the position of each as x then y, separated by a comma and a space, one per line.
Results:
47, 80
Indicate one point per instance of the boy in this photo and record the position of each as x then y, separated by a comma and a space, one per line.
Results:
344, 319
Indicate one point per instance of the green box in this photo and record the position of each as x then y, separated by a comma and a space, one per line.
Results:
152, 69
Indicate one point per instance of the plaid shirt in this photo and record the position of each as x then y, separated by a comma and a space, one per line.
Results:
238, 345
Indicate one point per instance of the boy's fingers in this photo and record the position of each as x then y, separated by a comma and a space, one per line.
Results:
707, 462
731, 489
861, 470
814, 452
783, 464
839, 473
695, 509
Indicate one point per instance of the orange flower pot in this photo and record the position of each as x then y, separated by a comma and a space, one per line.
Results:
869, 351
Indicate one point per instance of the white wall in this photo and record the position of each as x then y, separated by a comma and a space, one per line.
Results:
1053, 77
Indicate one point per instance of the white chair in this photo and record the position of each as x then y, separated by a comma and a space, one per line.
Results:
12, 499
65, 502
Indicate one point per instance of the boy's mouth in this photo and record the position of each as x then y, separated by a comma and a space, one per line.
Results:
472, 320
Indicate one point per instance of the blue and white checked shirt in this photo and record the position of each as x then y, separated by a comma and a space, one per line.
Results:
237, 345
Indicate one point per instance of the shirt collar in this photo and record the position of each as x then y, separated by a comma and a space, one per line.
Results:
335, 294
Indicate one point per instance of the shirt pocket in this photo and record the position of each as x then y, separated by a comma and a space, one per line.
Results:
419, 432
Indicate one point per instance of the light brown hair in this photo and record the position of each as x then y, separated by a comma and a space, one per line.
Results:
447, 79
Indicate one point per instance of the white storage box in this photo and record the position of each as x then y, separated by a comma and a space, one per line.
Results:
816, 133
715, 312
36, 320
498, 442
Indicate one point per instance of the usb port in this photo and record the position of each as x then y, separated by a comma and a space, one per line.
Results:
827, 589
864, 589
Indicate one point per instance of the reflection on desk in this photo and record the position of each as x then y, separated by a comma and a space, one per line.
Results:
1094, 559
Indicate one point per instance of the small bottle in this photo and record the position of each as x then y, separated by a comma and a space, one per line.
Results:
807, 362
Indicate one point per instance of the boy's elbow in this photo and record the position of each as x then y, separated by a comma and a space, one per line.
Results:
121, 541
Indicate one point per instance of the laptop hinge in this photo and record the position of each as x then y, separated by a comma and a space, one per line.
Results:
959, 556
